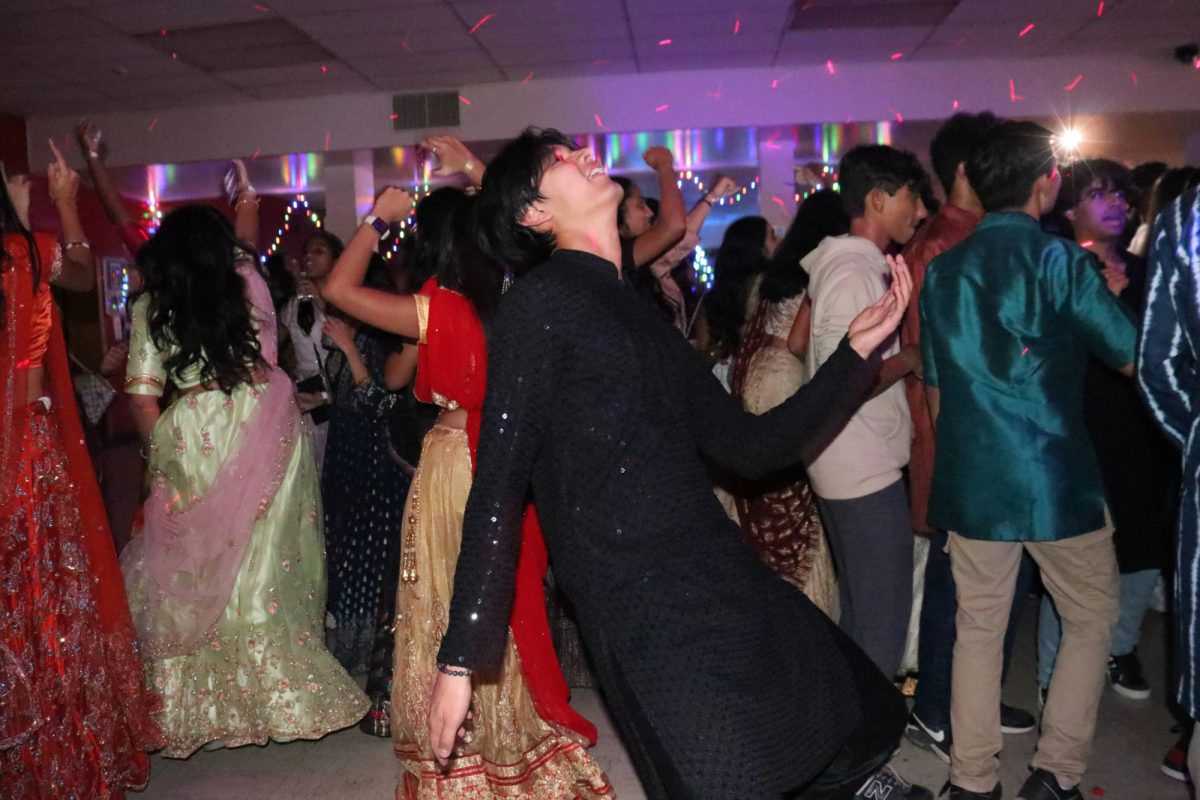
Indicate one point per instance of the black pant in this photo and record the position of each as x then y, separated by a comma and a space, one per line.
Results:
872, 744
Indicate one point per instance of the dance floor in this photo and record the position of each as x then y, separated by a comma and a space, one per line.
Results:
1131, 740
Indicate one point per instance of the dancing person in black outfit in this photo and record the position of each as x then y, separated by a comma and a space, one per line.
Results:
724, 681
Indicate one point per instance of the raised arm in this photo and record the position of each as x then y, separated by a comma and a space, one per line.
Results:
454, 157
245, 208
723, 187
79, 266
671, 222
1166, 364
344, 286
89, 144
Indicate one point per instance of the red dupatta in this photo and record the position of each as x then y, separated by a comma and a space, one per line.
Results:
452, 372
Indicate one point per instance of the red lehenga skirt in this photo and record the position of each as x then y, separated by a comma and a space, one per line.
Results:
75, 716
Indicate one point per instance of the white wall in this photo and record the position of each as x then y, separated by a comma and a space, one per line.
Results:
917, 90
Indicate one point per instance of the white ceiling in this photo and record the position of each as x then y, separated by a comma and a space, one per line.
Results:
91, 56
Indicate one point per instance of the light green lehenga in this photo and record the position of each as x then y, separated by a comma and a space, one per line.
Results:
263, 672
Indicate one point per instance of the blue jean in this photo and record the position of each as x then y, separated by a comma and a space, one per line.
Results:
935, 643
1137, 592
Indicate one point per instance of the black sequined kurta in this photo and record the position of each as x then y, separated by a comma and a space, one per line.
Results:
725, 681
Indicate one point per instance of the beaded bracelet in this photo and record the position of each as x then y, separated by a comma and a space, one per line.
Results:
454, 673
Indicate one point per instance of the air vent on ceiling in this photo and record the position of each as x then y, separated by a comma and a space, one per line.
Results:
425, 110
810, 15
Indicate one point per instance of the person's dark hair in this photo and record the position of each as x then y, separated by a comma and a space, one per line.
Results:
510, 186
741, 257
10, 222
1013, 156
1171, 185
821, 214
1079, 175
955, 141
653, 204
447, 246
1144, 176
198, 310
280, 281
626, 188
877, 166
432, 221
336, 247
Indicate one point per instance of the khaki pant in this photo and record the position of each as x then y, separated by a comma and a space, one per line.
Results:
1081, 575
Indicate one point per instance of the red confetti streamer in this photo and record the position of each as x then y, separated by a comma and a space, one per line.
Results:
153, 125
324, 68
528, 78
1026, 29
599, 121
1097, 791
394, 116
897, 56
956, 105
1086, 244
327, 137
663, 107
1133, 77
1070, 86
404, 41
782, 205
1025, 352
737, 26
1100, 10
775, 83
464, 100
479, 24
830, 68
163, 31
899, 118
261, 7
255, 156
1012, 91
663, 42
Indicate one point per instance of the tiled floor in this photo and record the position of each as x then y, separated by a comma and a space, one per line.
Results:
1131, 740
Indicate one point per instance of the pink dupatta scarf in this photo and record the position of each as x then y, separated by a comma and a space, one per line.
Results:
181, 571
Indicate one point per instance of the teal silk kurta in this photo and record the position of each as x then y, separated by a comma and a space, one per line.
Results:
1007, 320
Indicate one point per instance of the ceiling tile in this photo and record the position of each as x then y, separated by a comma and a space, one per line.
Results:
861, 44
565, 69
47, 27
991, 11
292, 73
351, 84
763, 44
413, 40
373, 22
556, 50
403, 61
160, 85
154, 15
680, 26
156, 102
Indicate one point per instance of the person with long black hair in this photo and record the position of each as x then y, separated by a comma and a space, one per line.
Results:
724, 681
779, 516
745, 251
76, 719
527, 741
227, 580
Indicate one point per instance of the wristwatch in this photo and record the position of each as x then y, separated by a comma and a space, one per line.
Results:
381, 227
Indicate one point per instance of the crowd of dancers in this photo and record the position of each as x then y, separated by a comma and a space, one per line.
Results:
734, 488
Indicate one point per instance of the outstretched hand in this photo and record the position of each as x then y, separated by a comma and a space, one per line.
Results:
448, 713
878, 321
88, 137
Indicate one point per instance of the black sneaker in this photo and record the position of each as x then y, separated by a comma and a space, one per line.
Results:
959, 793
1042, 785
1174, 764
1016, 720
1125, 675
887, 784
935, 740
